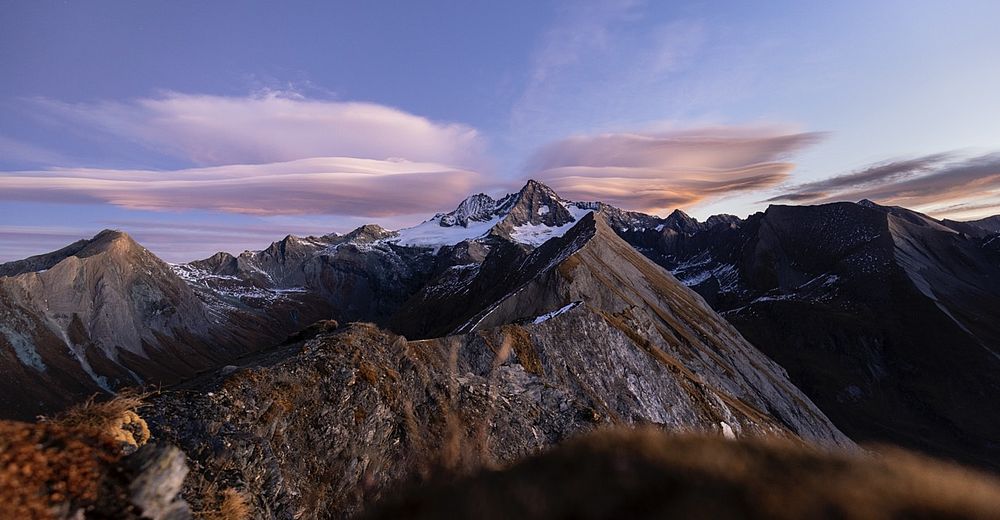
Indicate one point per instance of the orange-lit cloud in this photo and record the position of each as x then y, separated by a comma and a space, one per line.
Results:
322, 185
655, 172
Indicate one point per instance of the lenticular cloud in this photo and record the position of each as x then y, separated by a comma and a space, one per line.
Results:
658, 171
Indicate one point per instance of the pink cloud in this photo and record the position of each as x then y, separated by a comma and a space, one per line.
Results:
322, 185
273, 127
663, 170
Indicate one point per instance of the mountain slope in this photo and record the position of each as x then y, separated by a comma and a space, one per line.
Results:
981, 227
320, 428
869, 308
594, 306
96, 315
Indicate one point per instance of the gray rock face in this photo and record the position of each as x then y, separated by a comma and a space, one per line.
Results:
477, 208
94, 317
295, 281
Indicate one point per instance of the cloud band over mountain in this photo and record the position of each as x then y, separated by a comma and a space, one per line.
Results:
940, 183
322, 185
655, 172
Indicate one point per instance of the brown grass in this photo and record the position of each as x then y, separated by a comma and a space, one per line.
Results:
46, 465
527, 354
115, 419
646, 473
227, 504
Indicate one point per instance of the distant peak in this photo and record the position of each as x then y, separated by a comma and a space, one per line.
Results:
108, 238
476, 208
868, 203
678, 214
533, 185
368, 232
110, 234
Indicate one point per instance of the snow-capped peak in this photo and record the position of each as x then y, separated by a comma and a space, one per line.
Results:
477, 208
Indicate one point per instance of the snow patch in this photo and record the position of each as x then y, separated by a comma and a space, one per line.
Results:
24, 348
538, 234
549, 315
432, 234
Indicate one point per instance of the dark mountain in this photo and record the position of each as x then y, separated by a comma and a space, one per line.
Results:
885, 317
982, 227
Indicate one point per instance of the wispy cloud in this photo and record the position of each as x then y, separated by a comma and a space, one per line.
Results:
659, 171
323, 185
271, 126
873, 175
940, 184
597, 64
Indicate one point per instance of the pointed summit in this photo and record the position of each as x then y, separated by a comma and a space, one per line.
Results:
102, 242
535, 204
681, 222
367, 233
110, 240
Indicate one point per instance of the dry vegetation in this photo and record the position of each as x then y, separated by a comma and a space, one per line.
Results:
648, 474
229, 504
60, 464
115, 418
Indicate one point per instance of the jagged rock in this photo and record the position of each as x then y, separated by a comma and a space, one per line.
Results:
155, 476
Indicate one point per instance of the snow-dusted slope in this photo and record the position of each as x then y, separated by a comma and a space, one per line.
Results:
531, 216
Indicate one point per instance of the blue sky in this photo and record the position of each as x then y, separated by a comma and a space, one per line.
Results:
204, 126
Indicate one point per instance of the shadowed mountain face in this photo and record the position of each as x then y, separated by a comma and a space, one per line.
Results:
886, 318
616, 308
980, 228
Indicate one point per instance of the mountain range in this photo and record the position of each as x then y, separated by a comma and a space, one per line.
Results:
838, 323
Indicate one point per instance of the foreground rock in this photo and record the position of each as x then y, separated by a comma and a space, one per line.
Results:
646, 474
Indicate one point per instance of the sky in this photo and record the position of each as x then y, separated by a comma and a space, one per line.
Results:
207, 126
